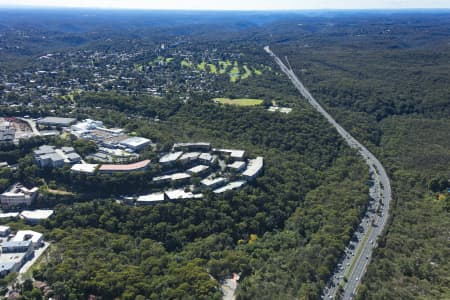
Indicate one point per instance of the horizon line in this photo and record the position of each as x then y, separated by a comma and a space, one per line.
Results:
23, 7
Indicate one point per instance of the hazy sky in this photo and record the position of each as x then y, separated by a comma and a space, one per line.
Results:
233, 4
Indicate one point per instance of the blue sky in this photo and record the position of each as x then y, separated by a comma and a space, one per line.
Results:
233, 4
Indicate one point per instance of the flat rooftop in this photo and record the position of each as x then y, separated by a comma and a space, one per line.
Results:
57, 121
151, 198
181, 194
38, 214
231, 186
84, 168
170, 157
254, 166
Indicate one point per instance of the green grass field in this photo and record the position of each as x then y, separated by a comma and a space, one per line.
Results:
239, 102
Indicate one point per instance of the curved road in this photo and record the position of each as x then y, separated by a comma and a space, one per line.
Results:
354, 262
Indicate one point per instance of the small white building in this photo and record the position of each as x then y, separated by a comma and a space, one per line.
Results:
189, 157
237, 166
84, 168
213, 183
182, 195
29, 235
35, 216
4, 231
197, 170
151, 199
254, 168
18, 195
230, 187
233, 153
207, 159
135, 143
176, 177
170, 158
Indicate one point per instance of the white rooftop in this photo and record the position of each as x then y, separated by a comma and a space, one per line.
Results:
215, 181
156, 197
236, 165
23, 235
231, 186
9, 215
190, 156
174, 177
232, 152
254, 167
135, 142
181, 194
38, 214
170, 157
4, 228
197, 169
84, 168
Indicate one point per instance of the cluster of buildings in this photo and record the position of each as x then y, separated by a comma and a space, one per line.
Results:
49, 156
17, 249
194, 167
113, 143
284, 110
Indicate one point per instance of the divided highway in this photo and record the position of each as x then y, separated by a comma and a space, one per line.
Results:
353, 264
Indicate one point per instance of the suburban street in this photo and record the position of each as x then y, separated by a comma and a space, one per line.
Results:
357, 256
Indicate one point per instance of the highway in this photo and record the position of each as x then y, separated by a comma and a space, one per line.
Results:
353, 264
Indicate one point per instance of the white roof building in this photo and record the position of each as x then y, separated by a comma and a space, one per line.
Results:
181, 194
170, 158
197, 169
35, 216
213, 183
189, 157
25, 235
135, 143
207, 158
18, 195
235, 154
231, 186
237, 166
84, 168
254, 168
172, 177
150, 199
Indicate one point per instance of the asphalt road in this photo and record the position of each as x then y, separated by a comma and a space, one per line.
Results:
354, 262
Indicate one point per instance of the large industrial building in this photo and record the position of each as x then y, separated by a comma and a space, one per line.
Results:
49, 156
56, 121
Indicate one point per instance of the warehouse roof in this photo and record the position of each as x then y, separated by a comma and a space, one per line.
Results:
57, 121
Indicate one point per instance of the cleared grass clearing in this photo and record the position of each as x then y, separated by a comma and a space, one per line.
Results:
257, 72
186, 64
224, 65
212, 68
235, 73
239, 102
247, 73
202, 66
